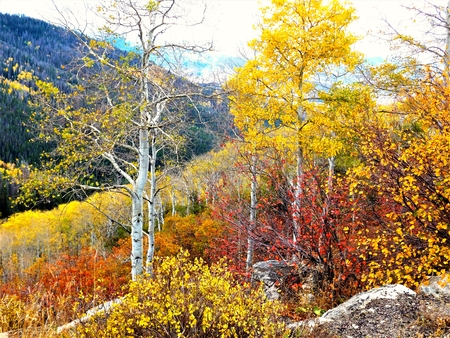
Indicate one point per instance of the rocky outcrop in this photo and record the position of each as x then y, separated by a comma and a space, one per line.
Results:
388, 311
363, 301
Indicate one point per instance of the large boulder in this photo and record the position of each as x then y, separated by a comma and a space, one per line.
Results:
388, 311
272, 274
363, 302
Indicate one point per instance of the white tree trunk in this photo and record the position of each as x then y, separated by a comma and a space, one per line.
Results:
148, 19
151, 212
297, 186
253, 201
174, 201
447, 41
298, 190
137, 200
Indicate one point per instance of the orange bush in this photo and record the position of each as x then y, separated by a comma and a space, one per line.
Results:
195, 233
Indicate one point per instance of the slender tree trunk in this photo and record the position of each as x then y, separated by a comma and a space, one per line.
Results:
327, 202
160, 214
151, 212
297, 192
188, 204
297, 184
151, 245
136, 236
253, 201
447, 45
174, 201
137, 207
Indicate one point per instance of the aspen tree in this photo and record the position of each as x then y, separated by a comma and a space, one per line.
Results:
275, 95
124, 109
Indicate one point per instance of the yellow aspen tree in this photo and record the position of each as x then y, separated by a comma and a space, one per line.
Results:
275, 95
204, 173
34, 235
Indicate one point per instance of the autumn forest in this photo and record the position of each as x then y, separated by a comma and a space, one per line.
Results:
124, 178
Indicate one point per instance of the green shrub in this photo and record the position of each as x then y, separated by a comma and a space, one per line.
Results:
188, 298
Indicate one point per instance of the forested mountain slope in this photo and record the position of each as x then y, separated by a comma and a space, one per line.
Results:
35, 46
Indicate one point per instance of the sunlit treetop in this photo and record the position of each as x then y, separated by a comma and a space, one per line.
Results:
306, 35
303, 47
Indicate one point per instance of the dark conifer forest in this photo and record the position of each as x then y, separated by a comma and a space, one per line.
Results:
35, 46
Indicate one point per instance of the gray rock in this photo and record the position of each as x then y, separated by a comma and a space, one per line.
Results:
272, 274
437, 286
359, 302
390, 311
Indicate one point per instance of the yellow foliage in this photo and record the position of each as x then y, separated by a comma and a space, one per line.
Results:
408, 162
16, 314
33, 234
187, 298
275, 95
201, 176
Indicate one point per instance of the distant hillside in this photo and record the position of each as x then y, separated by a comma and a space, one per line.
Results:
37, 46
27, 45
33, 45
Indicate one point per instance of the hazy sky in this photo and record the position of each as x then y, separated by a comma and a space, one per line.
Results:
230, 22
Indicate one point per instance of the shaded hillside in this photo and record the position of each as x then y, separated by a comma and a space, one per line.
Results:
34, 46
